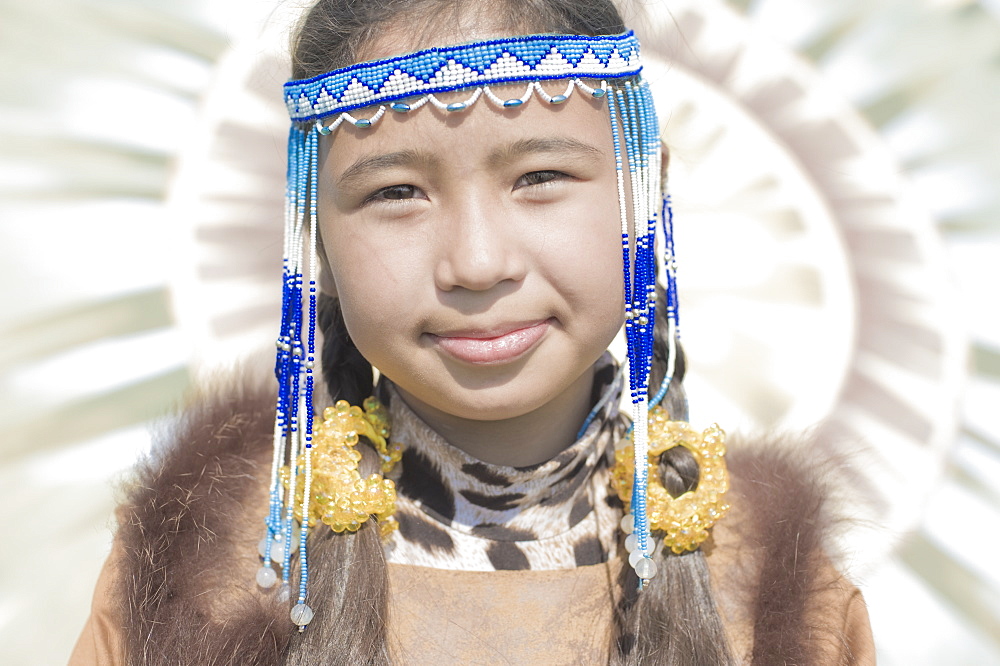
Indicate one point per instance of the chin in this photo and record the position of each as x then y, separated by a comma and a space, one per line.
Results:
495, 403
494, 400
498, 409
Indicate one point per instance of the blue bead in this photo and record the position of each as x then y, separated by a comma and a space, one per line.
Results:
363, 123
457, 106
599, 92
399, 107
512, 103
558, 99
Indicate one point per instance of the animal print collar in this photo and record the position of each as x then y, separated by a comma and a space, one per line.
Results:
456, 512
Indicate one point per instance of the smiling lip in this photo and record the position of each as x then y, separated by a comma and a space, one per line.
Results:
492, 347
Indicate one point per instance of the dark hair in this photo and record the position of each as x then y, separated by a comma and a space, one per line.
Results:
675, 620
334, 33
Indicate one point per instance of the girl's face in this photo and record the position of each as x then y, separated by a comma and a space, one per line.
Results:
477, 254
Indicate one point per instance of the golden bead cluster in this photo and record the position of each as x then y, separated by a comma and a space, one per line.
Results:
686, 519
341, 498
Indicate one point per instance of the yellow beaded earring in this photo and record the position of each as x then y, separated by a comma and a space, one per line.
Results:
340, 497
686, 519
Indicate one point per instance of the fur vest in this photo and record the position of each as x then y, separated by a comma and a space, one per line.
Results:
178, 587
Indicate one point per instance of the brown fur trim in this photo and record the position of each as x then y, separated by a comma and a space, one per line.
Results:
193, 514
783, 490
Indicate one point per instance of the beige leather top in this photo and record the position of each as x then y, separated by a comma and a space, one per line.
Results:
527, 617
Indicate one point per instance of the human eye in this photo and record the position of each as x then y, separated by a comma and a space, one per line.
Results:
393, 193
543, 177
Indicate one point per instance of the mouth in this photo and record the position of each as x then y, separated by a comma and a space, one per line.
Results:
494, 346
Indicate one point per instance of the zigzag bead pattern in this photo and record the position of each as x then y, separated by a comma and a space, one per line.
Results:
445, 69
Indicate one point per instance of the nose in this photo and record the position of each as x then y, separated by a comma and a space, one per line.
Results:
479, 248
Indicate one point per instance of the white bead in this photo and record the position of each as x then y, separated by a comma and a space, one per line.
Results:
645, 568
631, 543
277, 547
278, 552
628, 523
266, 577
634, 557
284, 593
301, 614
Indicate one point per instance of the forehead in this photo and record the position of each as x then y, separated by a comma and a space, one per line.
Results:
482, 132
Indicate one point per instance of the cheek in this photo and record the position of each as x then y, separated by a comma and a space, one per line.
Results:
592, 249
371, 316
361, 280
586, 263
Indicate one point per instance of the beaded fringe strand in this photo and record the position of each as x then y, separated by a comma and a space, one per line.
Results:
294, 369
635, 128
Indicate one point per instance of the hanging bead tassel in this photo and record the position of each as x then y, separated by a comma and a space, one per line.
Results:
301, 613
634, 128
294, 370
294, 492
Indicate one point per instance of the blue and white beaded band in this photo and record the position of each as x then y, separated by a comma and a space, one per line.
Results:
510, 60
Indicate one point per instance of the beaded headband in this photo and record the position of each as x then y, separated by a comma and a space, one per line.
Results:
317, 106
443, 69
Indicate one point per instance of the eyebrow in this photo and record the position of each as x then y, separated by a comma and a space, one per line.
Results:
555, 144
366, 166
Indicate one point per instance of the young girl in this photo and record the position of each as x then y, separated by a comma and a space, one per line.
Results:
482, 184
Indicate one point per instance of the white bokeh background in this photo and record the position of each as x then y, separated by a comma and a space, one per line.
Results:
100, 99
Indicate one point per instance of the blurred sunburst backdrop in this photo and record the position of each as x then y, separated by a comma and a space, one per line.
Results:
103, 107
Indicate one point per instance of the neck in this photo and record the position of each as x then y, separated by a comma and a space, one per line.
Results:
522, 441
